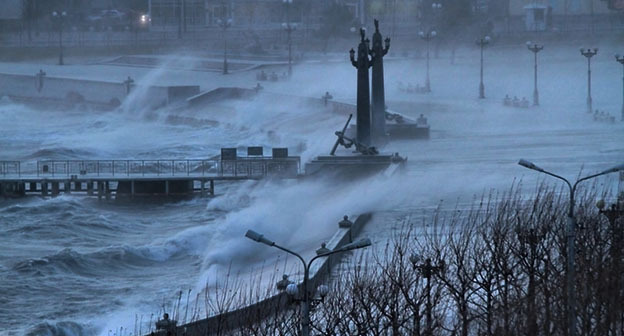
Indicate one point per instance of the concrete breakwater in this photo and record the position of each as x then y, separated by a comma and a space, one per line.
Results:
319, 272
398, 126
41, 88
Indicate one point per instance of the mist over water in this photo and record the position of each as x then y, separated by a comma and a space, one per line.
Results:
76, 266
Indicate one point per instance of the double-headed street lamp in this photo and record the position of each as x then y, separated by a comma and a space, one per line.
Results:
427, 36
60, 18
224, 24
620, 59
531, 237
289, 28
427, 270
482, 42
589, 53
141, 22
570, 235
291, 288
535, 48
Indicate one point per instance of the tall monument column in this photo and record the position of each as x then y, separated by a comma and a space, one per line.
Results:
362, 64
378, 129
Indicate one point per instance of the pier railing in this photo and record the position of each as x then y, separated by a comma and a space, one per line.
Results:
10, 168
127, 167
241, 167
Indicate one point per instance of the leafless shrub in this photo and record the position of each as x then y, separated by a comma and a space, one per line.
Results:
504, 274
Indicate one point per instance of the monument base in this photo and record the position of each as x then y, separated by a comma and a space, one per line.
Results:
354, 166
407, 131
397, 131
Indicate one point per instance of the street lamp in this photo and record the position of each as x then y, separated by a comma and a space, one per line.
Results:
435, 9
430, 34
142, 22
289, 28
588, 53
620, 59
482, 42
570, 235
427, 270
531, 238
292, 289
60, 18
224, 24
535, 48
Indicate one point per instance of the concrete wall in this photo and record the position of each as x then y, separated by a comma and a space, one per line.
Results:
88, 91
575, 7
220, 94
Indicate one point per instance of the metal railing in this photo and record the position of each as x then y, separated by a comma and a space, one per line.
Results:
127, 167
255, 167
250, 167
10, 168
260, 167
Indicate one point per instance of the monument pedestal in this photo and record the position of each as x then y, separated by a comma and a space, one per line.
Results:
354, 166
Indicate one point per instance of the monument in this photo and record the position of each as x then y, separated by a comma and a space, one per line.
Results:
378, 129
362, 64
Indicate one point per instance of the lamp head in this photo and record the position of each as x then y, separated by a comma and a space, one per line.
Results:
361, 243
614, 169
322, 290
433, 33
292, 290
257, 237
414, 259
487, 38
530, 165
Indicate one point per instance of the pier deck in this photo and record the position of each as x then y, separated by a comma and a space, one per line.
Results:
130, 178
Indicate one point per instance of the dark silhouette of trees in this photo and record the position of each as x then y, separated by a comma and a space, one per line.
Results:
502, 273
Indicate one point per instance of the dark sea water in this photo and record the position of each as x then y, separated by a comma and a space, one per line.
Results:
73, 265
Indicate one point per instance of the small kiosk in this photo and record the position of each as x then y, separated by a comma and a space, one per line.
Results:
536, 17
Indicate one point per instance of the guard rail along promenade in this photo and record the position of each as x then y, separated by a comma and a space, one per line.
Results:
130, 178
319, 272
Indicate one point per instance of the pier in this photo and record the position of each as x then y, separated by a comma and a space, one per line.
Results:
107, 179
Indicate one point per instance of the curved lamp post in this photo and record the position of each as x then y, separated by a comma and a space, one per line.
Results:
292, 289
620, 59
570, 235
588, 53
427, 36
224, 24
289, 28
60, 17
535, 48
482, 42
